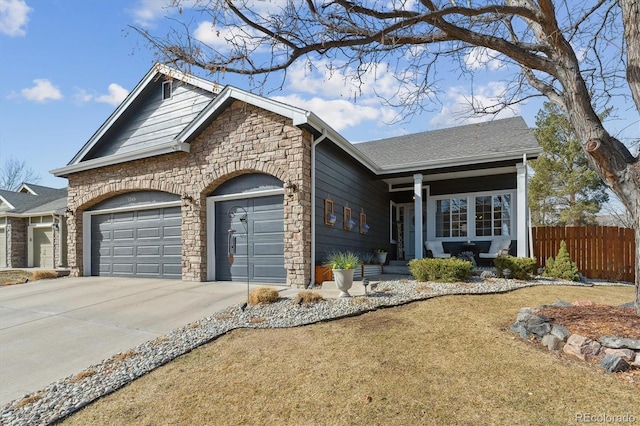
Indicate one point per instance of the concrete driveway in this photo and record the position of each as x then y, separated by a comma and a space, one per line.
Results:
52, 329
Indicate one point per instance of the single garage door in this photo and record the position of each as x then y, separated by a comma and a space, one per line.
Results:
142, 243
264, 242
42, 247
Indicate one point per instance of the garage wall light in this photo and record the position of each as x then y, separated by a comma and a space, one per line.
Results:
290, 188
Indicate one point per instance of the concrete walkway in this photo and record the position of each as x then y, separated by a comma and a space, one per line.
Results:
52, 329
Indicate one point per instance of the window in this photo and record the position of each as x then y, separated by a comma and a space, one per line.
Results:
166, 90
451, 217
478, 215
493, 215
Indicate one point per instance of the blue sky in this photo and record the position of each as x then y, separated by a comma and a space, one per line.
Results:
66, 64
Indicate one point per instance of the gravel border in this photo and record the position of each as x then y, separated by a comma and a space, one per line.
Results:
64, 397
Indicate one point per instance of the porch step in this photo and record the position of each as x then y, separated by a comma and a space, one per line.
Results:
397, 267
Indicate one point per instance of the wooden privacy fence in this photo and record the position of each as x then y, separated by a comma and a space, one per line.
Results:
602, 252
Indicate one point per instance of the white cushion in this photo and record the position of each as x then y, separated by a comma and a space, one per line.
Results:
436, 249
496, 245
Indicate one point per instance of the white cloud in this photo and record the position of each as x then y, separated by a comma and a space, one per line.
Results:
42, 91
483, 58
115, 96
146, 12
220, 38
459, 105
14, 15
340, 114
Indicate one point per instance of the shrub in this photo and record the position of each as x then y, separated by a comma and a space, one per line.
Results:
43, 274
562, 267
442, 270
263, 295
342, 260
307, 297
521, 267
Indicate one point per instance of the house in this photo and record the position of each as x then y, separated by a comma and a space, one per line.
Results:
32, 227
190, 180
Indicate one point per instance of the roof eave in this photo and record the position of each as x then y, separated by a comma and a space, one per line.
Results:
166, 148
457, 162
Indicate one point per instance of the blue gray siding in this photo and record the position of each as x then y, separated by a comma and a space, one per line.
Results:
152, 120
345, 181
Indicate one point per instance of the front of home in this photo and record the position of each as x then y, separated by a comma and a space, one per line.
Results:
33, 227
192, 181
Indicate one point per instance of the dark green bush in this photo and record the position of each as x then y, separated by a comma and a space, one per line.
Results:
562, 266
521, 267
442, 270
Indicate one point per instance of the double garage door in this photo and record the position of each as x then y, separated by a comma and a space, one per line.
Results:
142, 243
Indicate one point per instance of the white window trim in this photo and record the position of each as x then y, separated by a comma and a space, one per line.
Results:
471, 214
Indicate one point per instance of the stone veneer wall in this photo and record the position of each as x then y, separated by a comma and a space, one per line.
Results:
243, 139
17, 242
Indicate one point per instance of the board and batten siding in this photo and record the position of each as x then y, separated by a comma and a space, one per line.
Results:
156, 121
346, 182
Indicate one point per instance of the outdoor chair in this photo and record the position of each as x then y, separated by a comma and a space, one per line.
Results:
499, 247
436, 249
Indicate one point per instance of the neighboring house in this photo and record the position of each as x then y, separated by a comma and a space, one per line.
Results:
185, 177
32, 227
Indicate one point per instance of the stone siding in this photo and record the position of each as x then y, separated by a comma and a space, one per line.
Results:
17, 242
243, 139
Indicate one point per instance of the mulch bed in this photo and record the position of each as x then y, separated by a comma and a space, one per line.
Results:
596, 320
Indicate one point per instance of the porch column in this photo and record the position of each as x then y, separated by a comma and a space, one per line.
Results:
417, 195
522, 216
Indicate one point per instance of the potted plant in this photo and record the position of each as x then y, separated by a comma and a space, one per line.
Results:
381, 256
343, 264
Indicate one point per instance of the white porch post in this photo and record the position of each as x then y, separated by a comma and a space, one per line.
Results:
523, 230
417, 194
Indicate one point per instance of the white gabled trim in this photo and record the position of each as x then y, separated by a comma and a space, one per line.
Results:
4, 200
297, 115
146, 80
165, 148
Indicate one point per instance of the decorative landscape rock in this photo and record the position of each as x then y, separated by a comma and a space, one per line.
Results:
620, 343
613, 363
615, 353
539, 325
554, 343
626, 354
560, 331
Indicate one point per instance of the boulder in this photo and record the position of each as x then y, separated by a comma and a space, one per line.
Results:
524, 314
592, 350
561, 332
560, 304
613, 363
538, 325
552, 342
626, 354
520, 328
616, 342
583, 303
582, 348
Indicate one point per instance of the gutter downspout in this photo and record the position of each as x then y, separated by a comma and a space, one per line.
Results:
315, 143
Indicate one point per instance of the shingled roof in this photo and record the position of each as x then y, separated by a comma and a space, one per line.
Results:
47, 200
470, 144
